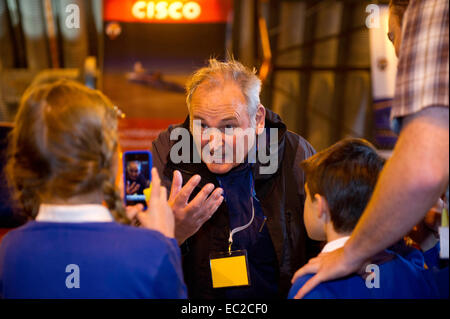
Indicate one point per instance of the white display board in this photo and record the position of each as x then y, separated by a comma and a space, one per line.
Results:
382, 57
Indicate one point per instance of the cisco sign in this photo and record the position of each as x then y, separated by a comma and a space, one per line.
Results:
160, 10
198, 11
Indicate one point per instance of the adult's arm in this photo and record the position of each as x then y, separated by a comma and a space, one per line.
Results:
409, 185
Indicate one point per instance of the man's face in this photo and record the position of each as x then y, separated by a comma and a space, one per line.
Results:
133, 170
395, 31
220, 108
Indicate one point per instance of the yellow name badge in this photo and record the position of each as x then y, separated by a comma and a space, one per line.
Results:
230, 269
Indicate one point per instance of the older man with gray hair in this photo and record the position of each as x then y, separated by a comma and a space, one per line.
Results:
239, 216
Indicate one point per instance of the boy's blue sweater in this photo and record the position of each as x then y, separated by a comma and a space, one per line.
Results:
399, 278
114, 261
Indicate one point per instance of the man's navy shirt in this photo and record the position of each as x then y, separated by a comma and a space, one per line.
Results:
263, 266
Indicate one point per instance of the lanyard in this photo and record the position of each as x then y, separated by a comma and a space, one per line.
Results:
241, 228
238, 229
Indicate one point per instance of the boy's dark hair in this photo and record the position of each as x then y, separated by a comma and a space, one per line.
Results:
345, 174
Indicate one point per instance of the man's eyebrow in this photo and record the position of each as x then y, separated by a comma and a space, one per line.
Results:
228, 119
197, 117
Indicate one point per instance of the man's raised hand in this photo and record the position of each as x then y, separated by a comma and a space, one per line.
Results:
189, 217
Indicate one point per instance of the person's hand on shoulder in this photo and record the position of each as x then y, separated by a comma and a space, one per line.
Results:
326, 266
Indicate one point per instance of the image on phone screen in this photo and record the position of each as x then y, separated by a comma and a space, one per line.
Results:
137, 176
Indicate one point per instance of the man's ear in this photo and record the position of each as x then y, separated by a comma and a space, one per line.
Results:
260, 119
322, 207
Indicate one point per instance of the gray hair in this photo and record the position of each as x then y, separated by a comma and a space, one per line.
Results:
218, 73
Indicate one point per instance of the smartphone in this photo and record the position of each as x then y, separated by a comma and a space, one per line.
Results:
137, 175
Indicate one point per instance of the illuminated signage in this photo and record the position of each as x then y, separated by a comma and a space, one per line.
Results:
198, 11
162, 10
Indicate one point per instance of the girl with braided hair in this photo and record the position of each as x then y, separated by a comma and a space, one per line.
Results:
62, 165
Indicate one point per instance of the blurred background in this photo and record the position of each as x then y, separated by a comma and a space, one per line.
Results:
316, 58
327, 66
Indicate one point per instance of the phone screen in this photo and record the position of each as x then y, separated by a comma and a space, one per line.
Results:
137, 176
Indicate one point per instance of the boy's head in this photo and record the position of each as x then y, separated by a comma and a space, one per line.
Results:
339, 184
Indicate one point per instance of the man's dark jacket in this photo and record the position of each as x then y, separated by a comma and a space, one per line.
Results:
281, 195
